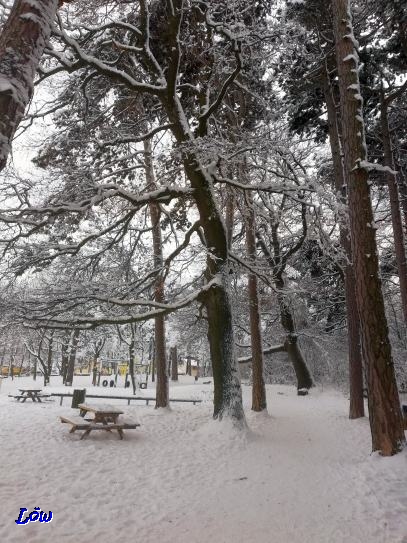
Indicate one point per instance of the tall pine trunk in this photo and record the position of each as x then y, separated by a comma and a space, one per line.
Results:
384, 406
398, 233
356, 403
162, 395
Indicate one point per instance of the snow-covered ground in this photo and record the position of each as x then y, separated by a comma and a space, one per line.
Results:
303, 474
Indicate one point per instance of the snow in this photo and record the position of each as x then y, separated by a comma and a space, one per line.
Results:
372, 166
353, 57
304, 474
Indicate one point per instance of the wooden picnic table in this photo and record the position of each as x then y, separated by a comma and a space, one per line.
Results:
105, 417
33, 393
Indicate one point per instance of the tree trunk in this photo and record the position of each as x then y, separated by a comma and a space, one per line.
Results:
401, 17
151, 368
398, 233
132, 347
22, 360
72, 356
402, 185
304, 379
259, 401
356, 403
94, 370
174, 363
384, 406
227, 393
188, 367
227, 389
229, 214
162, 394
48, 366
22, 42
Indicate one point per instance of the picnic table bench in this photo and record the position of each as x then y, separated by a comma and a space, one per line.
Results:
105, 418
34, 394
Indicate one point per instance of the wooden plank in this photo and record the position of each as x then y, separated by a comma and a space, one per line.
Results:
77, 423
128, 423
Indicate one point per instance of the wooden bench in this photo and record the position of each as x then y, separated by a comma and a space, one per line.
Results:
79, 423
129, 424
16, 396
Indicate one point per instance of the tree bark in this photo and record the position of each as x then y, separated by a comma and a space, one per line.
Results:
229, 214
384, 406
277, 264
72, 356
64, 357
398, 233
402, 185
174, 363
162, 394
48, 367
132, 352
304, 379
259, 402
94, 370
356, 403
22, 42
188, 369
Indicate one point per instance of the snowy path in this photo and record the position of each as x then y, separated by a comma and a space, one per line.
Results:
303, 474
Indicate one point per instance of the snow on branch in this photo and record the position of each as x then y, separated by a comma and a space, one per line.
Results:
136, 139
106, 69
90, 322
269, 350
371, 166
103, 192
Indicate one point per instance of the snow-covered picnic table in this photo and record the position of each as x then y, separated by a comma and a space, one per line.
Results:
105, 417
35, 394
